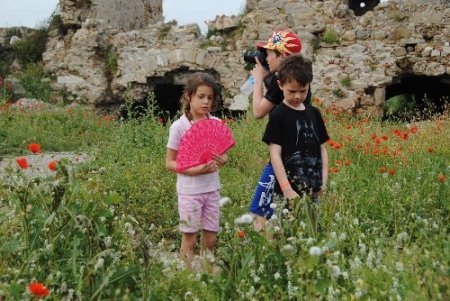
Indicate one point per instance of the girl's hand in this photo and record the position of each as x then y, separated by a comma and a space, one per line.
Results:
206, 168
220, 160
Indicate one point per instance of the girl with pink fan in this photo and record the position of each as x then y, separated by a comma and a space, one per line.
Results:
196, 149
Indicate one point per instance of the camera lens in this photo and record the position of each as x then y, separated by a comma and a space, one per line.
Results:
260, 53
249, 56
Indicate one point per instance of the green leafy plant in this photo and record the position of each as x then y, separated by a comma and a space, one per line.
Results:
29, 49
346, 81
107, 228
110, 58
330, 36
338, 93
33, 80
6, 92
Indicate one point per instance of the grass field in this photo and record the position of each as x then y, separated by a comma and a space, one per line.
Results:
106, 229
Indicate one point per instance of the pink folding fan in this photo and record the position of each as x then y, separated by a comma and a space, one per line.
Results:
204, 139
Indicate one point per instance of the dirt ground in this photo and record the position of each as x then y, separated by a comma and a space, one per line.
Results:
38, 163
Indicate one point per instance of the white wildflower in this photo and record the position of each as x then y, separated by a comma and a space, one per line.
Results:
99, 264
310, 241
355, 263
399, 266
336, 271
107, 241
285, 211
273, 217
291, 239
273, 205
244, 219
224, 201
288, 247
315, 251
362, 248
277, 276
370, 258
401, 237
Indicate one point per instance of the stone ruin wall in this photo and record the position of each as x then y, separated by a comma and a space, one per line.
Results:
120, 14
396, 37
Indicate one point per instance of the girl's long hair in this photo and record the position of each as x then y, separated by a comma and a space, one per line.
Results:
195, 80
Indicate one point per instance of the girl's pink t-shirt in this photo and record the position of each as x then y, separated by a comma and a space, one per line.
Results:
190, 185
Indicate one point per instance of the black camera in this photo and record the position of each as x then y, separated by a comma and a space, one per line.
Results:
260, 53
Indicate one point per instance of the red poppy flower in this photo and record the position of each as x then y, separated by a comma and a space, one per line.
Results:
38, 289
383, 169
441, 178
430, 149
395, 152
337, 145
413, 129
52, 165
334, 170
34, 148
347, 162
240, 233
22, 162
392, 171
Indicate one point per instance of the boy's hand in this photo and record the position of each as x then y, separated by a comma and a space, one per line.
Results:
259, 72
290, 193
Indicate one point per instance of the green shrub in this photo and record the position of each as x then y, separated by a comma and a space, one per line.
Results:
6, 93
330, 36
30, 49
346, 81
110, 57
4, 69
32, 79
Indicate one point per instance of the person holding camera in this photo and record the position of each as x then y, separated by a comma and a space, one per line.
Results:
266, 96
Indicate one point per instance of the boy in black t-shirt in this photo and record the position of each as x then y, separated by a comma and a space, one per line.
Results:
266, 96
296, 134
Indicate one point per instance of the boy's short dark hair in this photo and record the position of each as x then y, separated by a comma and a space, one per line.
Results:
295, 67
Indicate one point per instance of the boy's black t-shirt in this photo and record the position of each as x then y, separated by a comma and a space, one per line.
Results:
300, 134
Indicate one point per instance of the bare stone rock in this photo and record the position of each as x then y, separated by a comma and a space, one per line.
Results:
372, 47
427, 51
379, 96
367, 100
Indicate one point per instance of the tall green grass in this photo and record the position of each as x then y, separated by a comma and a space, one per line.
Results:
107, 229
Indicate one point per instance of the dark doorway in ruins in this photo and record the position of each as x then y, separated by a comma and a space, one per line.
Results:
417, 97
167, 90
360, 7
